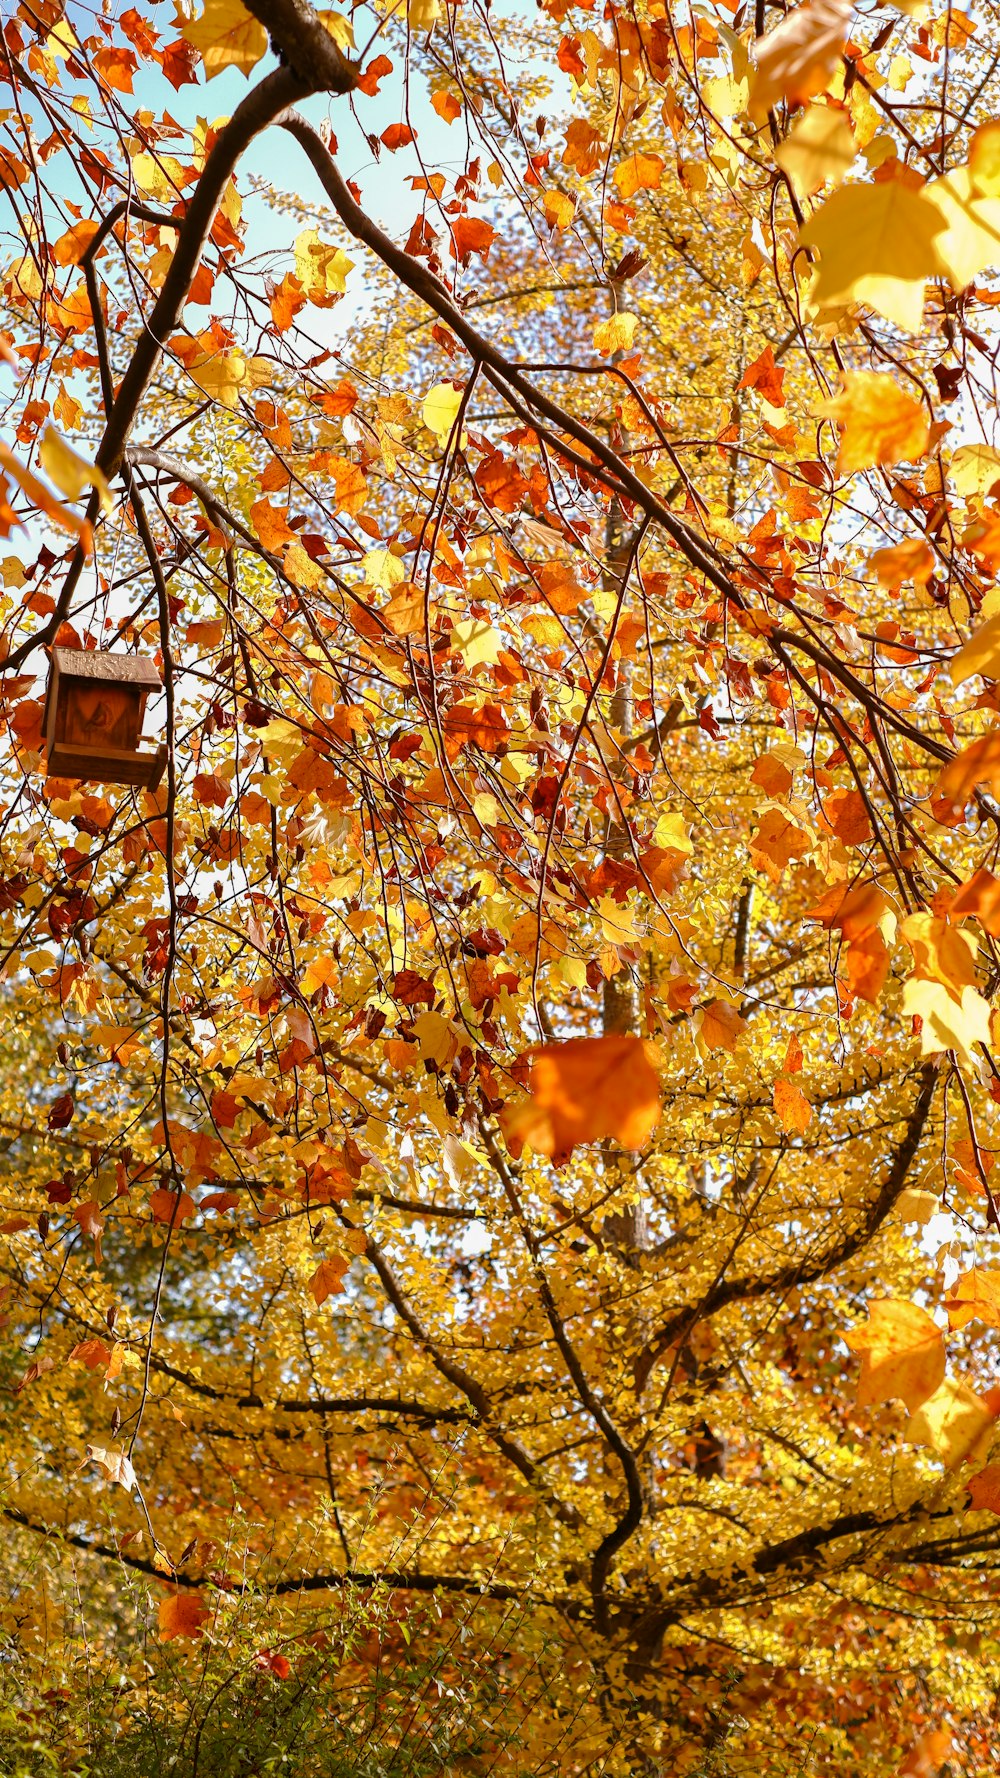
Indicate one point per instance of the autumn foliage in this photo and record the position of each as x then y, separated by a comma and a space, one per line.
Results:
510, 1118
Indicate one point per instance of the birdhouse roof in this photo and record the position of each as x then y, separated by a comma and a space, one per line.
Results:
93, 663
97, 665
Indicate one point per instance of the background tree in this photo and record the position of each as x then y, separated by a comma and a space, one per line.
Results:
549, 997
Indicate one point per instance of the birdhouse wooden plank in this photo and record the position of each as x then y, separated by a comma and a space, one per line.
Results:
94, 708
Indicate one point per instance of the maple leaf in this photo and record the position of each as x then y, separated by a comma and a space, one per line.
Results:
171, 1207
469, 235
91, 1222
640, 172
440, 409
182, 1614
879, 421
902, 1354
796, 58
720, 1026
113, 1464
820, 150
974, 1297
320, 268
328, 1278
927, 1755
913, 560
766, 377
586, 1090
970, 239
949, 1021
615, 334
984, 1490
92, 1353
955, 1423
978, 763
979, 655
980, 897
227, 36
793, 1109
876, 245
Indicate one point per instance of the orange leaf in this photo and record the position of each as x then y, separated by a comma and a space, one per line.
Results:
586, 1090
446, 105
797, 57
978, 764
792, 1108
974, 1297
766, 377
980, 897
327, 1280
912, 560
171, 1208
902, 1354
847, 813
640, 172
721, 1026
182, 1614
91, 1222
470, 234
398, 135
92, 1353
984, 1490
287, 300
71, 247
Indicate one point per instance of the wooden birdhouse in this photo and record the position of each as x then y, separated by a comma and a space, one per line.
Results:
94, 708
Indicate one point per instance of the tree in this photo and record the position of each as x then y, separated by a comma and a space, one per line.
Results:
540, 1032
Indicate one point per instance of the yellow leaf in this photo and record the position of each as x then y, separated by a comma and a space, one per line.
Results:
225, 376
70, 472
974, 469
970, 240
956, 1423
902, 1354
339, 28
382, 569
948, 1023
559, 208
917, 1206
820, 150
616, 334
422, 14
436, 1038
880, 422
320, 268
984, 159
876, 245
981, 654
476, 641
227, 36
942, 951
440, 410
